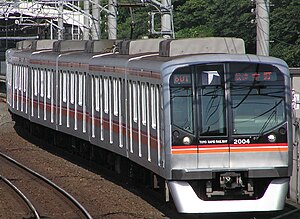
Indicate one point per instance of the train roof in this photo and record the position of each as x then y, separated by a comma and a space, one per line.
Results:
161, 50
73, 51
164, 62
150, 54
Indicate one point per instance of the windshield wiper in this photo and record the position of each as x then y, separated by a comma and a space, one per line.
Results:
274, 112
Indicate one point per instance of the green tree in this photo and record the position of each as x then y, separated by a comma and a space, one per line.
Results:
285, 31
224, 18
191, 18
200, 18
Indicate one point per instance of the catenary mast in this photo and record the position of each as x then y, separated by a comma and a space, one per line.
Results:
262, 27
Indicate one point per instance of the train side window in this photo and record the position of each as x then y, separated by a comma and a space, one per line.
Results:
32, 82
15, 76
158, 104
130, 98
35, 72
121, 83
45, 82
153, 106
68, 86
110, 95
106, 93
144, 104
115, 95
49, 83
64, 86
80, 89
25, 79
42, 82
97, 98
9, 73
93, 97
135, 99
101, 95
20, 77
52, 84
72, 85
84, 120
83, 89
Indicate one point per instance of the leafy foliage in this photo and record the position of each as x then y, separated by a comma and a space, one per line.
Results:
228, 18
285, 31
200, 18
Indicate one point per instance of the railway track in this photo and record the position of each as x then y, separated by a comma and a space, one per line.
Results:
26, 208
43, 198
289, 212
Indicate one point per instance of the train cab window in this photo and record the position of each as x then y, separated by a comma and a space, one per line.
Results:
182, 99
257, 94
211, 96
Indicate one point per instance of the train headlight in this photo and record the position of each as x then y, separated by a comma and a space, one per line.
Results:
282, 131
176, 134
272, 138
186, 140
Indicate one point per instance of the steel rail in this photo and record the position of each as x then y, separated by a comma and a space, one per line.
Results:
21, 194
62, 191
286, 214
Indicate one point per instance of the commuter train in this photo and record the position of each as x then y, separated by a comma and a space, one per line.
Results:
207, 121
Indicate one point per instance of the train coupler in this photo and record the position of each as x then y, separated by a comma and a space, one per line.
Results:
229, 184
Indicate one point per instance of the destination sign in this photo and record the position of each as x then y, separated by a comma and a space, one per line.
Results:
255, 76
182, 79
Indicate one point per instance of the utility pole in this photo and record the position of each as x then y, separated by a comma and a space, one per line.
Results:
60, 21
262, 27
112, 19
166, 26
86, 30
164, 9
96, 21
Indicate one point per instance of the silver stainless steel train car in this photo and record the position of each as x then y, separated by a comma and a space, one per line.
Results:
209, 121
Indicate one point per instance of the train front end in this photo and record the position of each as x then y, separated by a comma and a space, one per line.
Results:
230, 133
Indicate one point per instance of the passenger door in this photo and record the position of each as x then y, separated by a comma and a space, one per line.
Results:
213, 144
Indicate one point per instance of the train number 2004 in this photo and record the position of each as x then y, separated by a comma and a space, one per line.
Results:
241, 141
